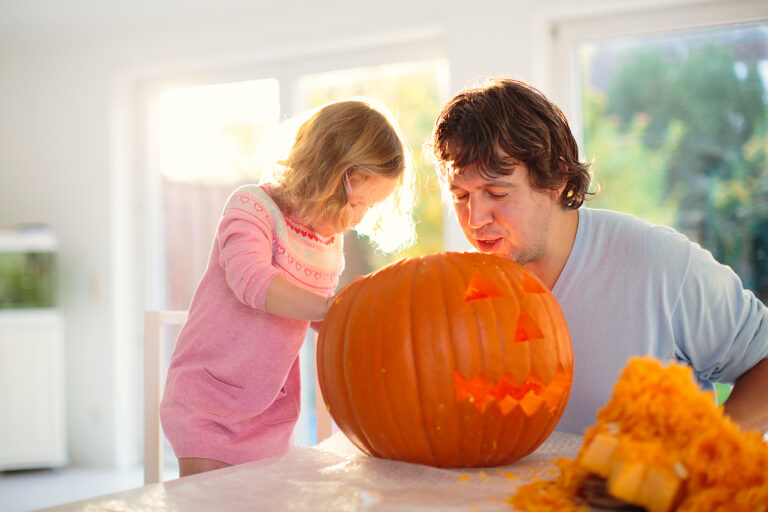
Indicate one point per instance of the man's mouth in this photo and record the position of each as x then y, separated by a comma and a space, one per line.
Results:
488, 244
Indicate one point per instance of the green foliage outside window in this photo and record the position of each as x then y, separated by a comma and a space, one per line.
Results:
722, 392
679, 129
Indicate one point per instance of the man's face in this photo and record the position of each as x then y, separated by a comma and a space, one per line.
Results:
504, 215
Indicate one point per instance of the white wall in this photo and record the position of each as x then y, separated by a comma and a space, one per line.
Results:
72, 150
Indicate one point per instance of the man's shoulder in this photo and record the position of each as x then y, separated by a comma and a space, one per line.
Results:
631, 237
610, 218
630, 225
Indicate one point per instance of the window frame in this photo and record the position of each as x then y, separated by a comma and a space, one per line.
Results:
566, 33
560, 78
287, 66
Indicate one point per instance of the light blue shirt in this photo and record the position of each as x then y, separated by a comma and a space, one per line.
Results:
632, 288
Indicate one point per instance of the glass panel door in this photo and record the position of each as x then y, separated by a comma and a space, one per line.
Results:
208, 140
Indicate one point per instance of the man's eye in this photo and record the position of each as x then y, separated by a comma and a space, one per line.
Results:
495, 195
458, 198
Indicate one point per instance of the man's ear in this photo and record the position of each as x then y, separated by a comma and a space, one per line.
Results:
558, 192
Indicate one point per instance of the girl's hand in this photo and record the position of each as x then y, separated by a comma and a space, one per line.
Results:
329, 302
316, 325
285, 298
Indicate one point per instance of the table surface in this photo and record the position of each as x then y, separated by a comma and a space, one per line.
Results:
335, 475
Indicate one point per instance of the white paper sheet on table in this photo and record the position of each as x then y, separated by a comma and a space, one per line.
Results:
336, 476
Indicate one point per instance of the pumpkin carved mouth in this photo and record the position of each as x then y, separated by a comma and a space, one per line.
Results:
531, 395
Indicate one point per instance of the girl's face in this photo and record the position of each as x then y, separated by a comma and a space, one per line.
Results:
366, 191
363, 191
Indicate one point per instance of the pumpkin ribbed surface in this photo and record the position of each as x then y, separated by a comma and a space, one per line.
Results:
450, 360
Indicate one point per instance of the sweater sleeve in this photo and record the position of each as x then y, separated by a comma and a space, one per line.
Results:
244, 240
721, 329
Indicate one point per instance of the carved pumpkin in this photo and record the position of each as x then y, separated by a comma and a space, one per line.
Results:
449, 360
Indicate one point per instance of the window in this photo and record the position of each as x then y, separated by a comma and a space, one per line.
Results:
675, 116
208, 139
209, 144
414, 92
678, 125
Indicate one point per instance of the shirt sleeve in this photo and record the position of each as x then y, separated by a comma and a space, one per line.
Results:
721, 329
244, 238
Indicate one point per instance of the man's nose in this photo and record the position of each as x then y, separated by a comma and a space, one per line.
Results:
479, 213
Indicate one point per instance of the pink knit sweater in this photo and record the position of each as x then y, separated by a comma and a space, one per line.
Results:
233, 389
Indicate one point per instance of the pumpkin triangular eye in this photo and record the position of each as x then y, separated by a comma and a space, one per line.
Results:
480, 287
527, 328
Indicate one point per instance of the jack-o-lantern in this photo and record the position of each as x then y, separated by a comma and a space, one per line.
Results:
450, 360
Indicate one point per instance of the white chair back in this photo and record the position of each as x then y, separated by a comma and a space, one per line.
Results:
155, 323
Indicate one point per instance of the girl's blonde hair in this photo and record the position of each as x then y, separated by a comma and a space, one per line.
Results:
341, 137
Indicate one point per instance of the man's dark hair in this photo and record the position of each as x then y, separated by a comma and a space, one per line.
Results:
512, 116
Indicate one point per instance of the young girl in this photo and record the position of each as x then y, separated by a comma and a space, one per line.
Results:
232, 392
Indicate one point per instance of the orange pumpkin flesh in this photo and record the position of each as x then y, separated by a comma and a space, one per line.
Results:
450, 360
635, 471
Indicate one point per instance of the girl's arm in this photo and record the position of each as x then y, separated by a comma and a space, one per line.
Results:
285, 298
245, 242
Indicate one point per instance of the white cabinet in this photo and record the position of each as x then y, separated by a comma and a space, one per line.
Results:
32, 414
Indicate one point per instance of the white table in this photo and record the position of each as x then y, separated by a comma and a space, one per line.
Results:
336, 476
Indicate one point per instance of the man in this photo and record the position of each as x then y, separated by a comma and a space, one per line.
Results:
627, 287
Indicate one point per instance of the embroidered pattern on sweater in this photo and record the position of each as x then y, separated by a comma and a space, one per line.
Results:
296, 250
301, 230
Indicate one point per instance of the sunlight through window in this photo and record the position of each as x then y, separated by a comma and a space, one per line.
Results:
208, 134
414, 92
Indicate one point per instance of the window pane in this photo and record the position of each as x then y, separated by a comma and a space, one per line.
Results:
208, 137
208, 141
414, 92
677, 125
208, 134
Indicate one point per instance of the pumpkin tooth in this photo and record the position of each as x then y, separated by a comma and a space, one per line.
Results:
507, 404
531, 403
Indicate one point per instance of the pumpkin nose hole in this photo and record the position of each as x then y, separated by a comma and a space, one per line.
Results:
527, 328
480, 287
